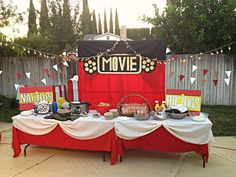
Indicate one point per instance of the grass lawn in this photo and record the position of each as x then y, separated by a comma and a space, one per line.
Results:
8, 109
222, 117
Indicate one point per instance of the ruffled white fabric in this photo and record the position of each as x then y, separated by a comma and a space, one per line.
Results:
184, 129
90, 128
82, 128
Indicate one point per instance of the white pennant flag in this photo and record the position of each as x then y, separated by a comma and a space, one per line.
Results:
44, 81
28, 75
194, 68
192, 79
228, 73
55, 67
16, 86
168, 50
65, 63
0, 72
227, 81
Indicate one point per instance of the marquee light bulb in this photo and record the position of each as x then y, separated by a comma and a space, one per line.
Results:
229, 48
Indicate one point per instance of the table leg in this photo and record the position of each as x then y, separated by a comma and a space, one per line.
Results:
25, 149
204, 161
104, 156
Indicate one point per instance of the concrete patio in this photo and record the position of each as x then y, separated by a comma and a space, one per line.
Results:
50, 162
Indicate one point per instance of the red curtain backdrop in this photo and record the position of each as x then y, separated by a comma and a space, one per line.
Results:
110, 88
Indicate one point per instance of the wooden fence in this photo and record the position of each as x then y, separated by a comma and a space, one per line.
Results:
221, 94
15, 69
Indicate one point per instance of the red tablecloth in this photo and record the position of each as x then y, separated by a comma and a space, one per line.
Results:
161, 140
57, 138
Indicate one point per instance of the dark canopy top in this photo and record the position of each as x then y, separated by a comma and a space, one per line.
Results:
148, 48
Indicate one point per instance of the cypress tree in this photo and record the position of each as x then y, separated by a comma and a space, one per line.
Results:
105, 22
94, 23
111, 22
85, 21
32, 26
99, 24
117, 27
44, 19
67, 30
85, 3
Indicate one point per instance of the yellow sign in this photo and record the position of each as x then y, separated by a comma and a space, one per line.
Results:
193, 103
35, 97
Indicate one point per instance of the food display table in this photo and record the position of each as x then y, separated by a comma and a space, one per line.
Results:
169, 135
83, 134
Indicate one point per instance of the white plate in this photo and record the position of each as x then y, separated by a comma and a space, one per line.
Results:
27, 113
199, 118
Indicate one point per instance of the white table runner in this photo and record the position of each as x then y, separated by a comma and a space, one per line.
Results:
90, 128
81, 128
184, 129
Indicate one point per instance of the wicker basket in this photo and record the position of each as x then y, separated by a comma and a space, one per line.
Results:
128, 109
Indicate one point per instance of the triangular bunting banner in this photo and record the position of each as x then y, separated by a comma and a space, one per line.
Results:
228, 73
227, 81
205, 71
72, 57
168, 50
44, 81
192, 79
18, 75
46, 71
215, 82
28, 75
0, 72
65, 63
204, 81
194, 68
181, 77
52, 76
174, 57
55, 67
16, 86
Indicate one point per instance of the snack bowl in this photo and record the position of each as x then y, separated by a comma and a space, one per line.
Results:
108, 115
199, 117
178, 115
141, 116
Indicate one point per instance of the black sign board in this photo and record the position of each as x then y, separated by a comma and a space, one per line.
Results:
119, 64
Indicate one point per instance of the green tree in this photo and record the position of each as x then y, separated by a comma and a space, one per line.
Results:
138, 33
111, 22
44, 19
105, 22
32, 26
99, 24
7, 12
117, 26
67, 28
195, 26
94, 24
85, 21
85, 3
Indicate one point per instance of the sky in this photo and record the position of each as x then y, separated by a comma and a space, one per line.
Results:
129, 11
